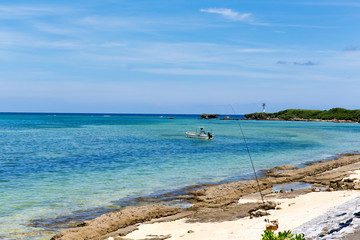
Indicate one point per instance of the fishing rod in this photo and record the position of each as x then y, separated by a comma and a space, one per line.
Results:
252, 163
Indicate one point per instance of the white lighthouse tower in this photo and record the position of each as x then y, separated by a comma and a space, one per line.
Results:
263, 105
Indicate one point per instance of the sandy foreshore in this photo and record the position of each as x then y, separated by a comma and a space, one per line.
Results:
293, 213
223, 211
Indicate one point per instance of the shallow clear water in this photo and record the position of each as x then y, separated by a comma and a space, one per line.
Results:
56, 165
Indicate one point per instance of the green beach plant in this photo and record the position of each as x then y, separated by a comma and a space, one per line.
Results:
285, 235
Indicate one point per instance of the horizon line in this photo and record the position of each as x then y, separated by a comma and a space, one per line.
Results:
106, 113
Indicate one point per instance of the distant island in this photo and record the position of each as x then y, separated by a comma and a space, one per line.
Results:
209, 116
332, 115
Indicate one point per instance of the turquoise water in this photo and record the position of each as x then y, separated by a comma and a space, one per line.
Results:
60, 165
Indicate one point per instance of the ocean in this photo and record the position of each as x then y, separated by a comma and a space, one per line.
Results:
59, 168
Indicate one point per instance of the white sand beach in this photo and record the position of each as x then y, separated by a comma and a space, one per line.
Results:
293, 213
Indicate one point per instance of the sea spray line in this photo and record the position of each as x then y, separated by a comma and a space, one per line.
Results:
252, 163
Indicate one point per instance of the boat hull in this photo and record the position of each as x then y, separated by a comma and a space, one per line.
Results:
198, 136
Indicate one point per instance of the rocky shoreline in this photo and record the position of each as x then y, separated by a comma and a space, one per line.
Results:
221, 202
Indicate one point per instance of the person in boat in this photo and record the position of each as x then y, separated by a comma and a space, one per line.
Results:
202, 132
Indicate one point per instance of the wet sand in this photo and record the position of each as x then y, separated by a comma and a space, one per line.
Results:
219, 206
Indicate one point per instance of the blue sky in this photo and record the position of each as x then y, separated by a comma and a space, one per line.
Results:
178, 56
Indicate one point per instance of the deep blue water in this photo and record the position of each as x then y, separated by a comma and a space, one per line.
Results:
54, 165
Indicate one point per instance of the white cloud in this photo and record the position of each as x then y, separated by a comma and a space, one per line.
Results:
107, 23
19, 39
277, 31
8, 38
13, 12
256, 50
56, 29
229, 13
212, 72
74, 45
247, 17
351, 48
303, 26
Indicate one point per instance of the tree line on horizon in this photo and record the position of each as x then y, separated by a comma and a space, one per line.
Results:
291, 114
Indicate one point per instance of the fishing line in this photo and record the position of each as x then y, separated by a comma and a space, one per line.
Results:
252, 163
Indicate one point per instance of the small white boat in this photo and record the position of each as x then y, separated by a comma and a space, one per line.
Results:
200, 134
